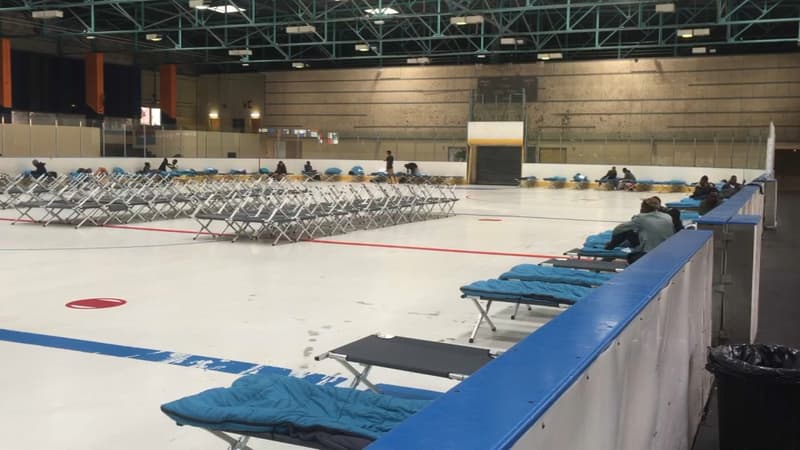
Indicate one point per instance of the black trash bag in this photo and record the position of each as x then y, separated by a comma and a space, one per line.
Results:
756, 362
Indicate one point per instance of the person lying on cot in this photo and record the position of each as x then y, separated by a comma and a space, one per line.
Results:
730, 187
703, 188
645, 231
712, 201
412, 168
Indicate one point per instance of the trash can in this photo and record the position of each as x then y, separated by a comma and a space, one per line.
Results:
758, 396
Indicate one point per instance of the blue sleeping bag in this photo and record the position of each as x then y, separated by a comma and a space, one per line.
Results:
330, 171
598, 240
519, 290
532, 272
555, 179
684, 203
357, 171
263, 171
291, 407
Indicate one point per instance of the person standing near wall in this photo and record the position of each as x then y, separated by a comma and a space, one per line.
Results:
390, 167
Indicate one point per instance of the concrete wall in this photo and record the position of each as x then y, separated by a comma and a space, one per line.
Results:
18, 140
232, 96
679, 110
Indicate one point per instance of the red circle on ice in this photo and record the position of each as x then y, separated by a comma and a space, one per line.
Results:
96, 303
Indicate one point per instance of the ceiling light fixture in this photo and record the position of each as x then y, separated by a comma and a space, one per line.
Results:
699, 50
420, 60
549, 56
379, 22
466, 20
686, 34
90, 36
225, 9
240, 52
213, 115
255, 115
381, 11
511, 41
301, 29
155, 37
198, 4
481, 55
48, 14
299, 65
665, 8
362, 47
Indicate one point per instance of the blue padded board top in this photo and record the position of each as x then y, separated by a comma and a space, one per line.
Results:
284, 405
531, 272
522, 290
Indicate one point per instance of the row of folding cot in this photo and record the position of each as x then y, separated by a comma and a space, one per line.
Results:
302, 210
99, 199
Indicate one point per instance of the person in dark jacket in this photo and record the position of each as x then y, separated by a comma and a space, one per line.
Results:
703, 188
610, 176
41, 170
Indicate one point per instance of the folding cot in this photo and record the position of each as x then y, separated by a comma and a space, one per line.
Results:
296, 411
586, 264
594, 247
519, 292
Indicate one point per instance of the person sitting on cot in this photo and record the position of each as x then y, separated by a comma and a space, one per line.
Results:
146, 169
703, 188
710, 202
674, 213
730, 187
40, 171
412, 168
280, 170
628, 181
645, 231
163, 166
609, 177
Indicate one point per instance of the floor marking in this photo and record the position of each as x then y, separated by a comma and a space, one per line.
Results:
159, 356
359, 244
96, 303
490, 220
432, 249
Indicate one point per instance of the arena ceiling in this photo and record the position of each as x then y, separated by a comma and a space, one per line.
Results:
235, 35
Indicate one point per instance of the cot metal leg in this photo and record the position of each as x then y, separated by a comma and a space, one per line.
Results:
233, 443
360, 376
516, 310
484, 314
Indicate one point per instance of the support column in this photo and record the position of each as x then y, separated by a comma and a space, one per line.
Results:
5, 79
168, 87
95, 90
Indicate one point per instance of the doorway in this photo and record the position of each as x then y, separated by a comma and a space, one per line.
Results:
498, 165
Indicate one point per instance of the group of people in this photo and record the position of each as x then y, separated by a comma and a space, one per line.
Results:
163, 167
710, 196
627, 182
655, 223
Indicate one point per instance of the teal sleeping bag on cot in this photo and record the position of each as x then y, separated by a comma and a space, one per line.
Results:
291, 406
